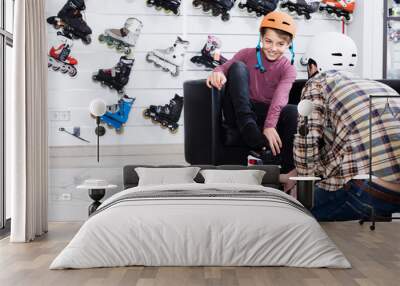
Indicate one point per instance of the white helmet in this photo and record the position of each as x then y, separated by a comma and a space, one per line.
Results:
332, 51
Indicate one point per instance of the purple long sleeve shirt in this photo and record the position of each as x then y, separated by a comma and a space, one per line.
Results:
271, 87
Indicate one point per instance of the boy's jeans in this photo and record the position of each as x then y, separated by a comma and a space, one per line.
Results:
352, 203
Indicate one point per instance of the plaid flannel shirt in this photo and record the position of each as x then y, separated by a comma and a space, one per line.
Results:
338, 138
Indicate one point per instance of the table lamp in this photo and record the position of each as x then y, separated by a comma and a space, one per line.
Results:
305, 185
98, 108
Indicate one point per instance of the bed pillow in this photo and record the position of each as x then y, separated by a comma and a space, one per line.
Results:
166, 176
248, 177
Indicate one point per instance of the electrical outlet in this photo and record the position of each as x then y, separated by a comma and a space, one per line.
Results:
65, 197
60, 115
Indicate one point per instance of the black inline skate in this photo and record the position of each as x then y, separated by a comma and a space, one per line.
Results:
210, 54
340, 9
301, 7
217, 7
116, 77
167, 5
71, 21
260, 7
167, 115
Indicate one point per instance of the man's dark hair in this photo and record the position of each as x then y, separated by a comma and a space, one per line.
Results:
282, 34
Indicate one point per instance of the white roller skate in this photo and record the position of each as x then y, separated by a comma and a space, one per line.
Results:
125, 38
169, 59
59, 58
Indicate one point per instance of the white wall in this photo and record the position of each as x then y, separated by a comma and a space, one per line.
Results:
71, 160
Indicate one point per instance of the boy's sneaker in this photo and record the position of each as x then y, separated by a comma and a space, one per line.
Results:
266, 156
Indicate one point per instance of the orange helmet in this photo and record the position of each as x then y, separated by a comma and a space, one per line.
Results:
280, 21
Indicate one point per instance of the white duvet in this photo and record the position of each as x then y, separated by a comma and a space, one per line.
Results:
200, 231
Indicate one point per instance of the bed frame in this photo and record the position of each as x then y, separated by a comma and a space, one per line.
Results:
271, 177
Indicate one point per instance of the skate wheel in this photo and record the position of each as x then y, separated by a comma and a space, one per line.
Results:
215, 12
148, 58
167, 11
49, 65
258, 14
176, 73
164, 124
109, 42
308, 16
283, 5
250, 10
173, 130
102, 38
72, 72
241, 6
119, 130
87, 40
55, 68
225, 17
63, 69
154, 121
196, 3
146, 114
158, 8
127, 50
291, 9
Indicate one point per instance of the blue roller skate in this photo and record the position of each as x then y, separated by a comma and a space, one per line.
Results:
117, 114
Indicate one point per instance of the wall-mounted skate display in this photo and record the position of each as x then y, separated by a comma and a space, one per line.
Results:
166, 115
167, 5
125, 38
169, 59
59, 58
117, 114
116, 77
217, 7
301, 7
210, 54
259, 7
340, 9
70, 20
76, 133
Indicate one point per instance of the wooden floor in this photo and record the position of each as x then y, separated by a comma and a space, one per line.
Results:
374, 255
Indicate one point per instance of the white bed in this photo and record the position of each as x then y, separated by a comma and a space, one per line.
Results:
184, 230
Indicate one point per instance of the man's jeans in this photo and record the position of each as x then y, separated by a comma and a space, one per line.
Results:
352, 203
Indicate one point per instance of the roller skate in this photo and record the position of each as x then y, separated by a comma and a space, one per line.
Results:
71, 21
343, 9
210, 54
260, 7
116, 77
117, 114
169, 59
301, 7
167, 115
125, 38
167, 5
217, 7
60, 59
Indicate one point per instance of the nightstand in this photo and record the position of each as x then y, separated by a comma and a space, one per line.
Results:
97, 190
305, 190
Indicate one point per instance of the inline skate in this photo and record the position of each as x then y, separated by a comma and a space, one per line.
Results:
60, 59
70, 20
169, 59
117, 114
260, 7
343, 9
116, 77
125, 38
210, 54
301, 7
217, 7
167, 115
167, 5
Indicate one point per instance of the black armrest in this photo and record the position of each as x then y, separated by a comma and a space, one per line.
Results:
197, 122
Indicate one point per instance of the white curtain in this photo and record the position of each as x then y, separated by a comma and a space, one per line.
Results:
26, 123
